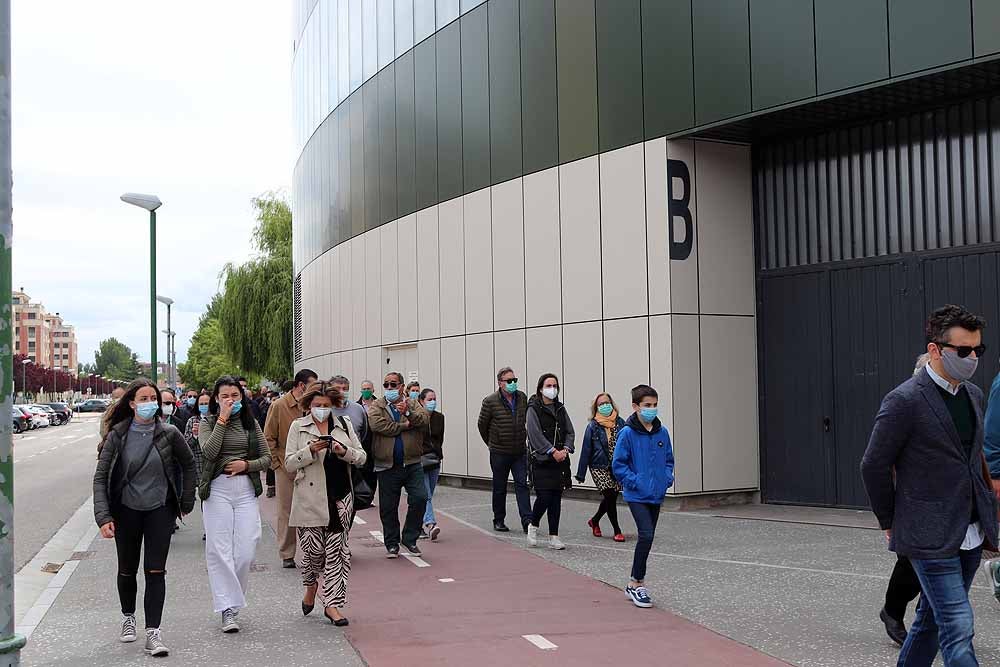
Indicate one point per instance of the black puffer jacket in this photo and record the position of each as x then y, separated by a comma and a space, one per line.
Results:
501, 428
173, 450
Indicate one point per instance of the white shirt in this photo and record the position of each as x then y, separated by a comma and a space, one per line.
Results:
974, 536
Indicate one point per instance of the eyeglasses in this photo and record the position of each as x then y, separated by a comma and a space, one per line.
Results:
506, 380
965, 350
391, 384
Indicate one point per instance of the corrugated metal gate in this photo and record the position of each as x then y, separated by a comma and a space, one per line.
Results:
861, 232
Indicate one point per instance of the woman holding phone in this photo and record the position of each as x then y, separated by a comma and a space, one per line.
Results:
322, 451
233, 453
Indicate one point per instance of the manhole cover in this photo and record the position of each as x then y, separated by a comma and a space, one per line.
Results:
81, 555
52, 568
259, 567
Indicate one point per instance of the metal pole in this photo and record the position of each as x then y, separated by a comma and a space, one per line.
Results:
152, 295
10, 643
170, 374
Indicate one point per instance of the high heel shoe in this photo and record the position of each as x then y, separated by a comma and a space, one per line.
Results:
307, 608
339, 622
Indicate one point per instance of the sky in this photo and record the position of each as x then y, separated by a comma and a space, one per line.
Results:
189, 100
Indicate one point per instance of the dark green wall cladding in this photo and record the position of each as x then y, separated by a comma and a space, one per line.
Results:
406, 184
840, 62
475, 101
619, 73
449, 112
387, 143
784, 57
721, 59
928, 33
505, 90
576, 65
425, 110
517, 86
667, 66
539, 109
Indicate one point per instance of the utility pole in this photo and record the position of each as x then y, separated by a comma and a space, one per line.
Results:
10, 643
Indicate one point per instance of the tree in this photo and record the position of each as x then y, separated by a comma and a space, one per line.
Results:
207, 358
114, 359
255, 311
35, 377
84, 370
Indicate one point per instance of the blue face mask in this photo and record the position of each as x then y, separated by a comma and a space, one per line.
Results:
237, 406
203, 409
147, 410
391, 395
605, 409
191, 401
648, 414
431, 405
414, 395
511, 387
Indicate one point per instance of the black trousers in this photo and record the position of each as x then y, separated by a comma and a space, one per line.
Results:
390, 487
904, 587
504, 466
148, 532
548, 501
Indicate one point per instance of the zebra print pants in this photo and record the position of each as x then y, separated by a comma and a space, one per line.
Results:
328, 555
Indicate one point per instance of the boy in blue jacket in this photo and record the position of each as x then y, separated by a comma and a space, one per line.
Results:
644, 464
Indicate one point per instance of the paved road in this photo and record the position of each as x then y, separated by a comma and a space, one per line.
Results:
53, 470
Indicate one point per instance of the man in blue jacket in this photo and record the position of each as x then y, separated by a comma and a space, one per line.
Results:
644, 464
991, 448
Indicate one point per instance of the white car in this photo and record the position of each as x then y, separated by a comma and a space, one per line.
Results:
39, 417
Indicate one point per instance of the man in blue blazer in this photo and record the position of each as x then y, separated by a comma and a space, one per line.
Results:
926, 478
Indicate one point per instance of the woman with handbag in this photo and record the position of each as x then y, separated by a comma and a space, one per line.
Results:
322, 451
597, 453
233, 453
431, 460
550, 442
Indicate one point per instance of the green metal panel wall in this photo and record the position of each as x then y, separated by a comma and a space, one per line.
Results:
449, 112
721, 59
667, 66
986, 26
576, 61
387, 143
357, 114
928, 33
406, 183
852, 43
784, 55
539, 120
475, 110
619, 73
369, 101
425, 110
505, 90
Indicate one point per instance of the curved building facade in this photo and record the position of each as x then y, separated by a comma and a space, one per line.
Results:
627, 191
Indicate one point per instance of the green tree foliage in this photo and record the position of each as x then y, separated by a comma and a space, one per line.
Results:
255, 311
114, 359
208, 359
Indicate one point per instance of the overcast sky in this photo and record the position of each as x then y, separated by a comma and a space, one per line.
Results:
189, 100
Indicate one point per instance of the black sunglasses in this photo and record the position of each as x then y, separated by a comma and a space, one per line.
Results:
392, 384
509, 380
965, 350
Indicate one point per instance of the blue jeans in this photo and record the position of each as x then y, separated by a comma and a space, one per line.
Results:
944, 615
430, 481
646, 515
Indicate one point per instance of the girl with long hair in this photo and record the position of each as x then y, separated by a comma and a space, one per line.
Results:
597, 453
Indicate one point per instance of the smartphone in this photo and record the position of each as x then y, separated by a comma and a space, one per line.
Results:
326, 438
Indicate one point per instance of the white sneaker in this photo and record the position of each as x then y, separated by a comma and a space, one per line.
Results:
230, 621
154, 644
532, 535
128, 629
434, 531
556, 543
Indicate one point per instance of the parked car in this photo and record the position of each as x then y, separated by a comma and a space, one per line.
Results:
50, 414
21, 421
92, 405
65, 414
28, 416
39, 417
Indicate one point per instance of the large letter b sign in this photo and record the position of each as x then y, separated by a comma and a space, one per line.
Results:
679, 208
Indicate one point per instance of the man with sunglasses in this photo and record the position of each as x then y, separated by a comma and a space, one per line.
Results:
929, 487
397, 425
502, 425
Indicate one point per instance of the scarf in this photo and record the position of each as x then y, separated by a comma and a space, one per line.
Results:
608, 423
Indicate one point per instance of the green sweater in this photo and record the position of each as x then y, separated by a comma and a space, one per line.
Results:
223, 444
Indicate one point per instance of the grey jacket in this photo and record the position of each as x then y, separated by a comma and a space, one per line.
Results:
919, 480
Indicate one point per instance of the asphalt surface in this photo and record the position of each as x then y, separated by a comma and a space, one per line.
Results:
53, 475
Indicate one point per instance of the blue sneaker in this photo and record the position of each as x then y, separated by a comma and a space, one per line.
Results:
639, 596
992, 568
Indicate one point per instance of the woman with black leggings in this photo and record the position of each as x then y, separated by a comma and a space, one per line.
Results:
597, 452
137, 498
550, 442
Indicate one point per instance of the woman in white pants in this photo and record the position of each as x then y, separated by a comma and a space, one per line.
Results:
323, 451
233, 453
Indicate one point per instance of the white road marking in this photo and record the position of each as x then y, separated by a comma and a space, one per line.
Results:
29, 437
358, 521
68, 437
416, 560
377, 534
447, 580
541, 642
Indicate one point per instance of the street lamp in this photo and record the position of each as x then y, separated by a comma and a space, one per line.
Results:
149, 203
24, 378
166, 300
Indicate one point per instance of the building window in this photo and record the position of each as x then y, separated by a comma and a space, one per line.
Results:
31, 332
31, 345
32, 316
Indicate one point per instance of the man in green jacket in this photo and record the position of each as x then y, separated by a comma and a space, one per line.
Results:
397, 425
502, 427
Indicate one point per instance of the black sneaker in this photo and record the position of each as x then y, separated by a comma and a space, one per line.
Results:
423, 535
413, 549
500, 527
288, 563
392, 552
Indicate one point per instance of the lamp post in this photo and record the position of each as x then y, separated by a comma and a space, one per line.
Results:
24, 378
150, 203
166, 300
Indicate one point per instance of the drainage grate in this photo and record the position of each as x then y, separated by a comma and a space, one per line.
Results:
259, 567
81, 555
52, 568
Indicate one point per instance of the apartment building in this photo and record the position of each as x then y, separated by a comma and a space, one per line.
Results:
41, 336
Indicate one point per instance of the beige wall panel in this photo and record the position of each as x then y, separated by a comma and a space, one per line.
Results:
453, 403
583, 372
478, 262
428, 275
406, 252
623, 232
542, 263
684, 272
580, 231
479, 362
373, 295
686, 434
389, 284
451, 234
508, 255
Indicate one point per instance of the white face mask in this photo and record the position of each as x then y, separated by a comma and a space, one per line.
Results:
550, 393
321, 414
168, 409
